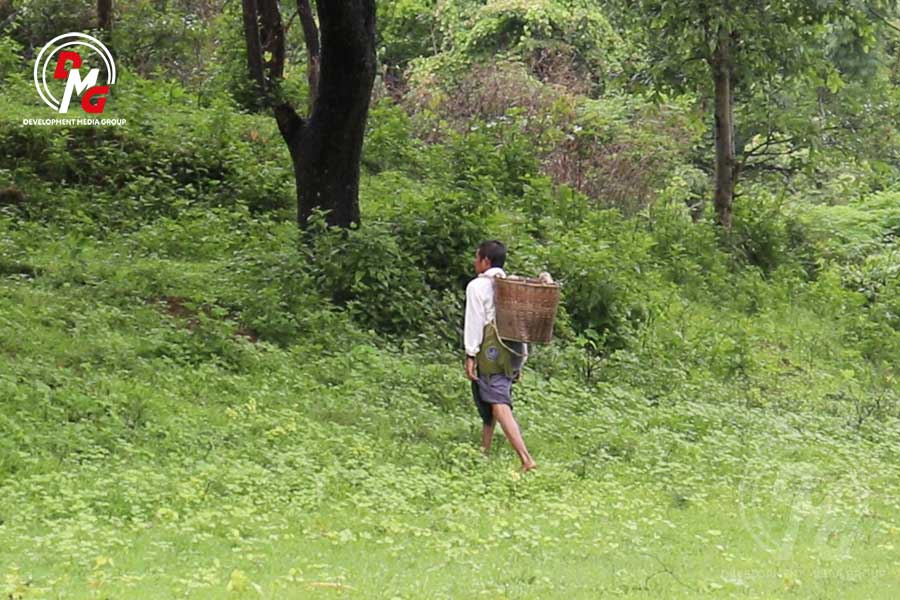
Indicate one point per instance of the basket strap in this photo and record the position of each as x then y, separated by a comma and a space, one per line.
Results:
499, 339
494, 324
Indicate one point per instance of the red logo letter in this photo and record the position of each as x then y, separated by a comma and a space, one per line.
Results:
61, 72
101, 102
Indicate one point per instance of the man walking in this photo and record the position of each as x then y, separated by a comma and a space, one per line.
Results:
492, 364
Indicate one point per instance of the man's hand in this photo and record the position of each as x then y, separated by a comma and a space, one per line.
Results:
517, 376
470, 368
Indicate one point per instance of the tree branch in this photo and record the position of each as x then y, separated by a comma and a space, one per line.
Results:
264, 34
773, 168
882, 18
761, 151
8, 20
272, 37
762, 148
287, 25
290, 124
313, 50
764, 154
254, 47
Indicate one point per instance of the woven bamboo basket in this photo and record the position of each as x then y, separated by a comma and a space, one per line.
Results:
526, 308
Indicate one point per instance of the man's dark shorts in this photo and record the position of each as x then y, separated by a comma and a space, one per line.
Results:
490, 390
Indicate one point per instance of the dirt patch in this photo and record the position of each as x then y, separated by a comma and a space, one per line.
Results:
180, 307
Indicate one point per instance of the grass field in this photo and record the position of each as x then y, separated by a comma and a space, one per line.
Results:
152, 453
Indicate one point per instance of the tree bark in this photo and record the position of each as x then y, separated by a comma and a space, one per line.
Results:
104, 15
254, 47
330, 146
325, 148
722, 66
313, 52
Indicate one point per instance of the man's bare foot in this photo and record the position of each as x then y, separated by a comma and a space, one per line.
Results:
528, 466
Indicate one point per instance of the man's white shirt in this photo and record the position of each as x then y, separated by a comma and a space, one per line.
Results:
480, 309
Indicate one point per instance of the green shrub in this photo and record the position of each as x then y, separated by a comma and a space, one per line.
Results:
759, 234
389, 143
39, 21
406, 30
367, 271
10, 56
153, 166
687, 251
605, 267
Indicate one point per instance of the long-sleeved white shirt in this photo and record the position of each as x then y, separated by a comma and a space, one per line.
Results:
480, 310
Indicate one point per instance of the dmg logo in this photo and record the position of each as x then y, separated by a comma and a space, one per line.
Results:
69, 56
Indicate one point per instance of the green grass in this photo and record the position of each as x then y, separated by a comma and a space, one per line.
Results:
144, 458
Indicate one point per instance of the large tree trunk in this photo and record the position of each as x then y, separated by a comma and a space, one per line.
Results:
104, 14
722, 70
313, 52
327, 152
326, 147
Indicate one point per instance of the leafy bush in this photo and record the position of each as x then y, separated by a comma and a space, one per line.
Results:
406, 30
619, 150
183, 155
10, 56
849, 232
389, 143
39, 21
688, 253
367, 271
759, 231
606, 271
563, 42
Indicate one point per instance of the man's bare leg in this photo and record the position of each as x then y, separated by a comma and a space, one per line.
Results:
487, 435
503, 414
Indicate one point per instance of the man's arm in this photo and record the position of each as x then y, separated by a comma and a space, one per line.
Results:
473, 333
476, 319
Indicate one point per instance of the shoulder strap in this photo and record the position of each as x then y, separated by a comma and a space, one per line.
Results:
493, 324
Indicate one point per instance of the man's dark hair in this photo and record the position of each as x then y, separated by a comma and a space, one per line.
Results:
493, 250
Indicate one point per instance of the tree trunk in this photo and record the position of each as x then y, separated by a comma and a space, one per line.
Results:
325, 148
722, 70
104, 14
311, 37
331, 144
254, 48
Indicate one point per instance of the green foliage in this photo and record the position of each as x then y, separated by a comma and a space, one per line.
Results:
787, 38
604, 265
562, 42
389, 143
152, 38
789, 63
367, 271
688, 251
10, 60
441, 239
759, 233
39, 21
852, 231
154, 165
406, 30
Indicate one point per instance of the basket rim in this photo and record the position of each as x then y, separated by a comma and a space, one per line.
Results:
529, 281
